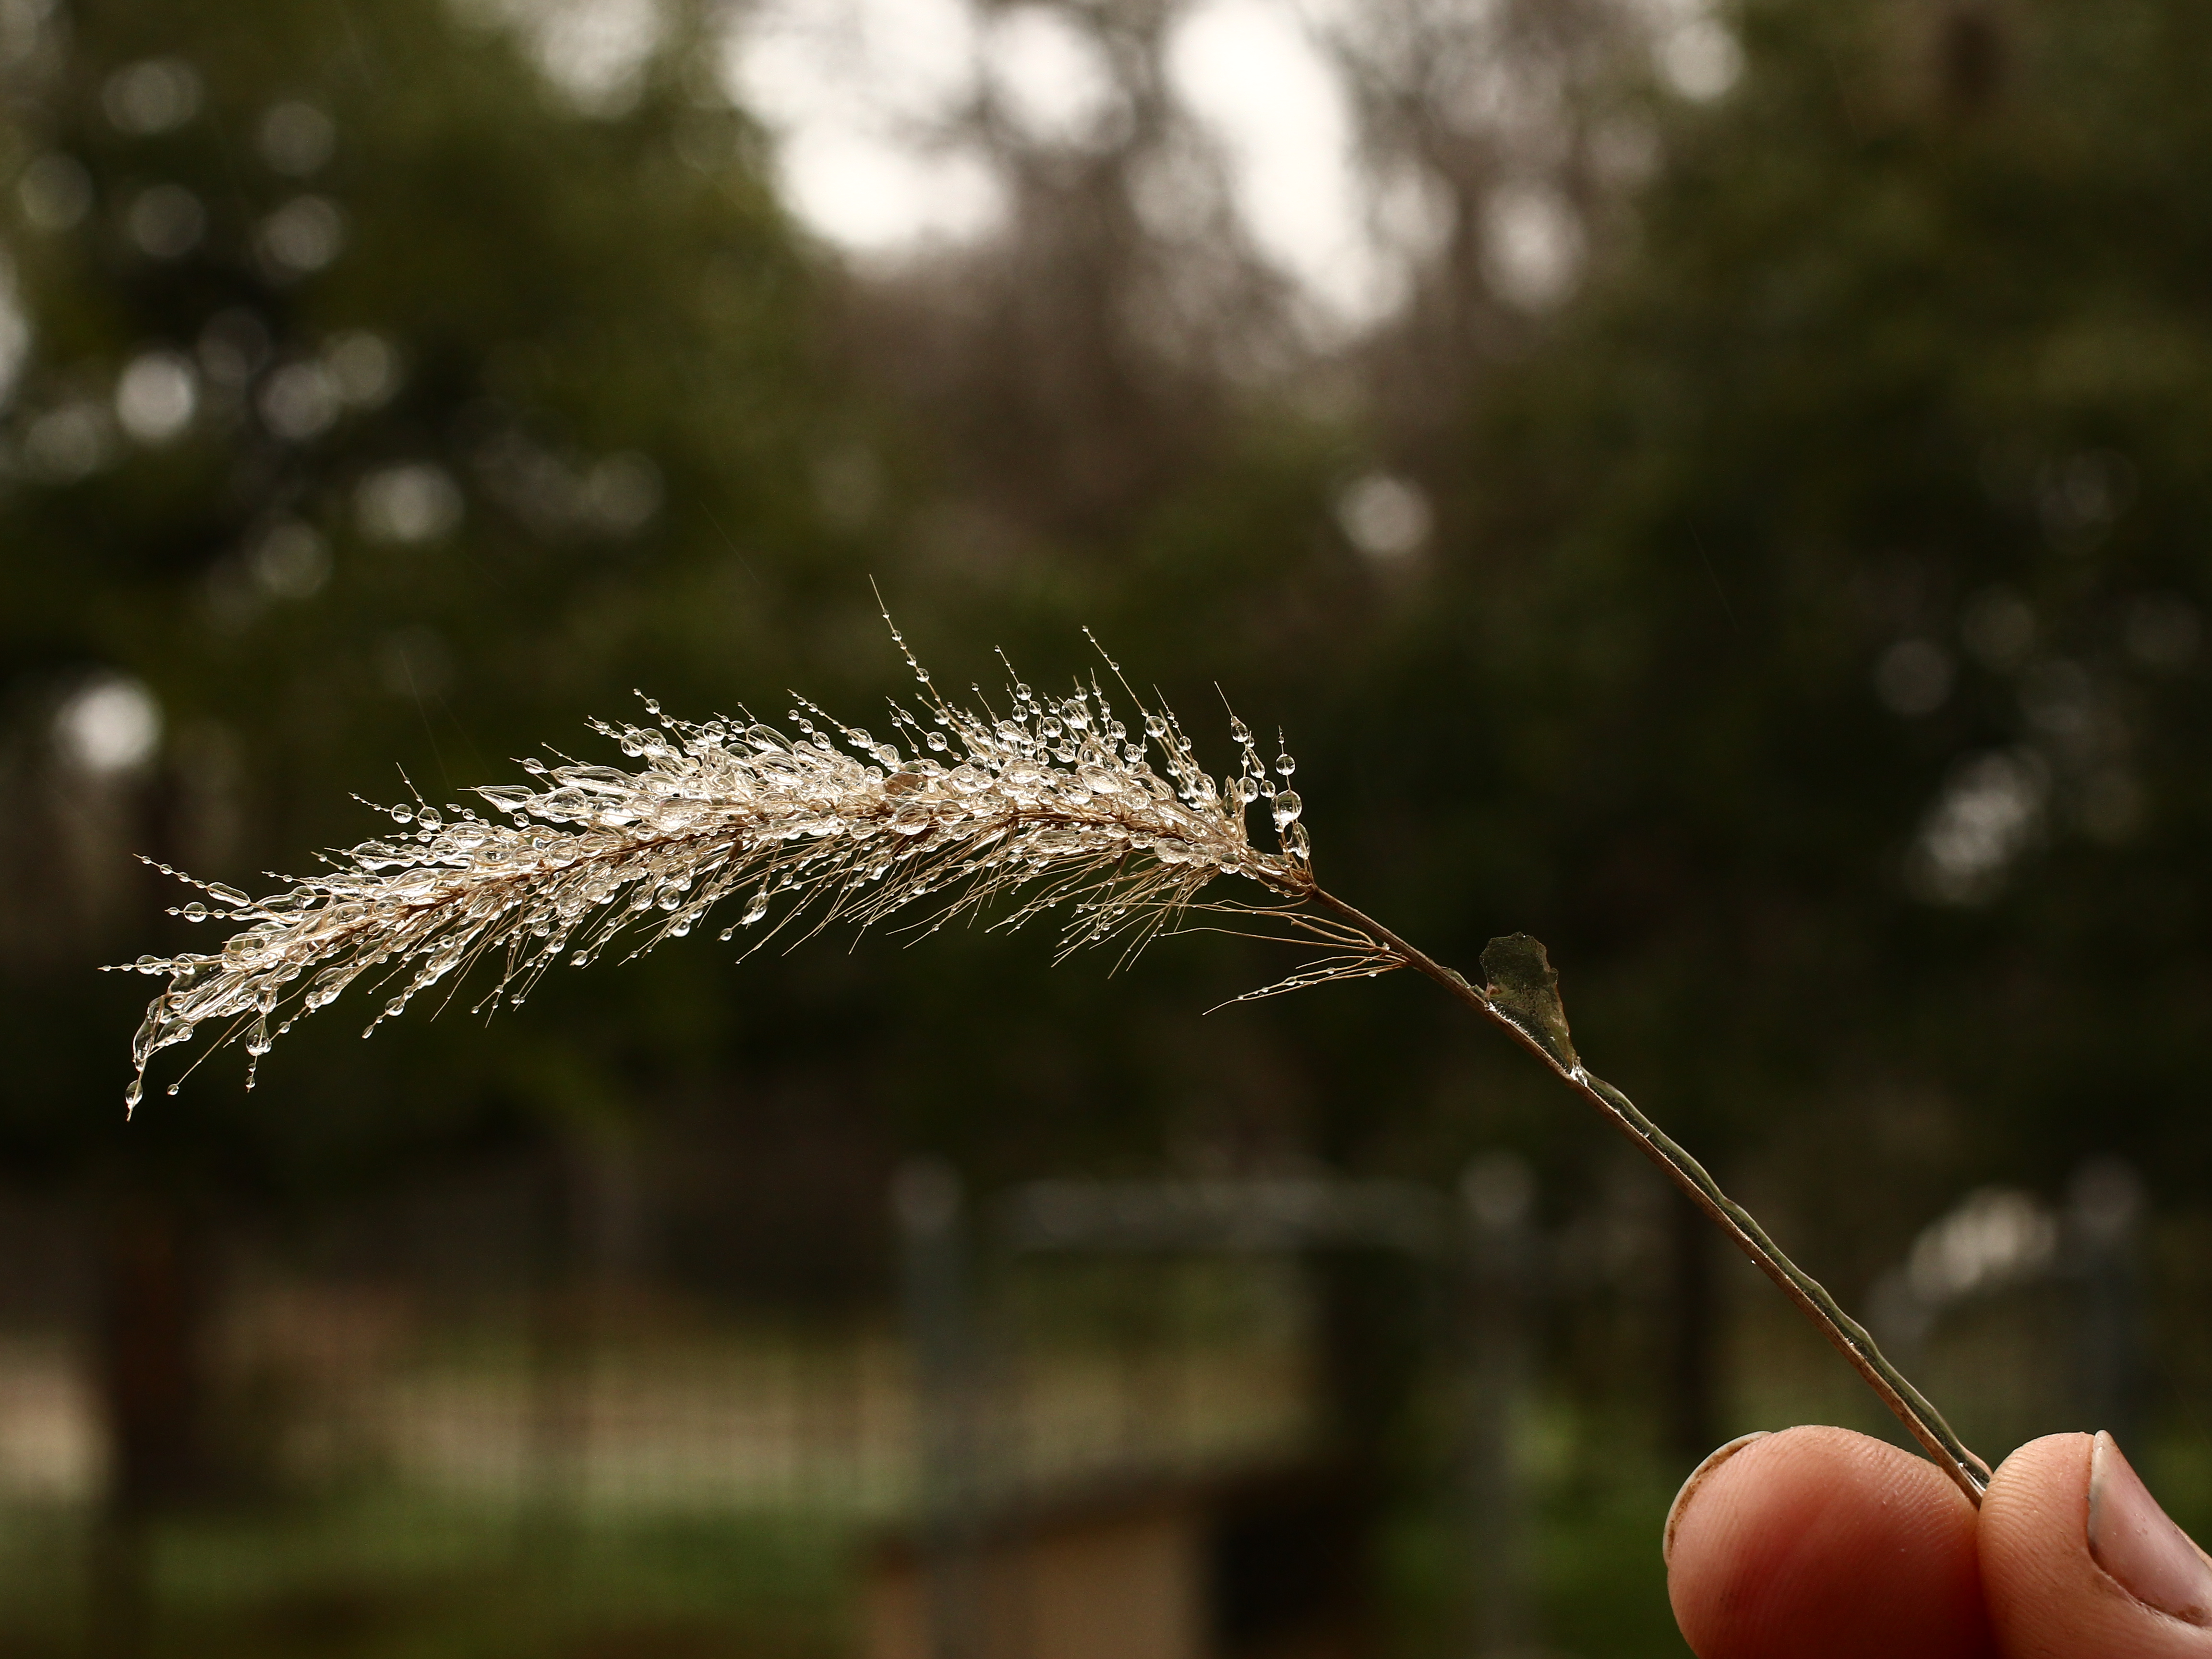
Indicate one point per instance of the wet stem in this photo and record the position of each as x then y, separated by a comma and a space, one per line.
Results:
1968, 1472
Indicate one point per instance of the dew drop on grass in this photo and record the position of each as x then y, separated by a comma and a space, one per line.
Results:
1525, 988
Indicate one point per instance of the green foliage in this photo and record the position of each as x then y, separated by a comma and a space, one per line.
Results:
1854, 496
459, 471
1891, 404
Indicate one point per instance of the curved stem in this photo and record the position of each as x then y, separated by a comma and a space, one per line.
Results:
1910, 1406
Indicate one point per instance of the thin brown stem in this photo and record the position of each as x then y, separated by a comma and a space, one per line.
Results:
1910, 1406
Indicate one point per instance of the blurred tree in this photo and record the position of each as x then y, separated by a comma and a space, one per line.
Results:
372, 396
1787, 603
1828, 577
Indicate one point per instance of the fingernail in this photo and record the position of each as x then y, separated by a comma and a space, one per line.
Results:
2132, 1538
1676, 1509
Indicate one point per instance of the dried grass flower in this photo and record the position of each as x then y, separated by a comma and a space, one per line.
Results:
1057, 803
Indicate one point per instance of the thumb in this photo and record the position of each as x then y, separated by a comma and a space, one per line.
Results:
2079, 1562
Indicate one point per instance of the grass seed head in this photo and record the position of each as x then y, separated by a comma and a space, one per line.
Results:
1056, 805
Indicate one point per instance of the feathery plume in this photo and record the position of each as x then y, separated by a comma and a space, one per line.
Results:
1056, 802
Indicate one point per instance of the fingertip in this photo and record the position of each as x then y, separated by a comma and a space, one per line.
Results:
1818, 1541
2079, 1562
1698, 1476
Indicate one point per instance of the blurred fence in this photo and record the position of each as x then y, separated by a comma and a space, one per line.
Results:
1001, 1495
1096, 1393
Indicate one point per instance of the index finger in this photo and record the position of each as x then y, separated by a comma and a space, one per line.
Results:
1817, 1542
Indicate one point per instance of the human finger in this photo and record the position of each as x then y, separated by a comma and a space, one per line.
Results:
2079, 1562
1816, 1543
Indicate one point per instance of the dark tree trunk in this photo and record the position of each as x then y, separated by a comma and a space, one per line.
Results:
153, 1284
153, 1281
1693, 1365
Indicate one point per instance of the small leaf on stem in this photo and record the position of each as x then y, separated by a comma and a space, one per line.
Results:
1525, 988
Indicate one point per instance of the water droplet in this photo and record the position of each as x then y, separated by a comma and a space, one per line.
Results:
224, 894
133, 1094
194, 912
1525, 988
429, 818
402, 813
173, 1088
1284, 766
756, 910
1287, 808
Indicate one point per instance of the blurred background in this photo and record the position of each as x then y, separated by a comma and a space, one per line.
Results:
1722, 489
